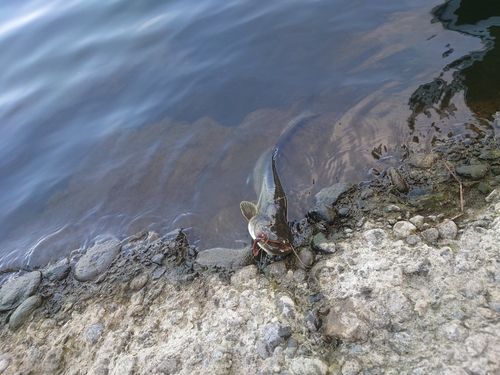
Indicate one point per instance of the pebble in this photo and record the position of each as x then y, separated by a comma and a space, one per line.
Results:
474, 172
398, 180
287, 307
344, 322
448, 230
375, 236
138, 282
275, 333
94, 332
24, 311
306, 257
418, 221
430, 235
325, 199
422, 160
403, 229
96, 260
18, 290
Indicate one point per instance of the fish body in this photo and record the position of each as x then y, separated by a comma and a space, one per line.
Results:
267, 220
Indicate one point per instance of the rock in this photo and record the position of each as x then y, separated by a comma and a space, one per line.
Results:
351, 367
448, 230
493, 197
422, 160
312, 320
274, 334
403, 229
94, 332
375, 237
52, 360
321, 243
15, 292
418, 221
158, 272
474, 171
306, 257
58, 271
287, 307
24, 311
245, 275
345, 323
308, 366
138, 282
430, 235
158, 259
413, 240
325, 199
398, 180
224, 258
96, 260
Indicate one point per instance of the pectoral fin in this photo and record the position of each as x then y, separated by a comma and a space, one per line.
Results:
248, 209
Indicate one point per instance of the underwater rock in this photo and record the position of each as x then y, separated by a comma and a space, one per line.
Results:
325, 199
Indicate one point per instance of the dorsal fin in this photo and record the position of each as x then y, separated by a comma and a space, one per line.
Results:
248, 209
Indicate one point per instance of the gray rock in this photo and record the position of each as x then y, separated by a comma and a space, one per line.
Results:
275, 333
24, 311
418, 221
17, 291
306, 257
94, 332
422, 160
375, 236
244, 275
413, 239
138, 282
344, 322
158, 272
286, 307
97, 260
403, 229
397, 180
312, 320
224, 258
58, 271
325, 199
448, 230
494, 196
158, 259
474, 172
430, 235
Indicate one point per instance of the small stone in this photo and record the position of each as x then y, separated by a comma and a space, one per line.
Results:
375, 236
168, 366
308, 366
245, 275
24, 311
138, 282
312, 320
224, 258
275, 333
430, 235
125, 365
96, 260
18, 290
403, 229
276, 269
325, 199
94, 332
418, 221
398, 180
158, 272
493, 197
392, 208
448, 230
4, 362
58, 271
474, 172
495, 169
158, 259
306, 257
351, 367
422, 160
344, 322
483, 188
413, 240
455, 332
286, 307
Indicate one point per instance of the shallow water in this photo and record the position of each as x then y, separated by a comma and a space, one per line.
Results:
118, 117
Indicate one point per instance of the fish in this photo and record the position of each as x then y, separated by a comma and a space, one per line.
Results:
267, 220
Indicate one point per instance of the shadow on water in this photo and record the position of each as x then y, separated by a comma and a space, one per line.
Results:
473, 76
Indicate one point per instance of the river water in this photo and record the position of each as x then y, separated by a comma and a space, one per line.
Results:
115, 116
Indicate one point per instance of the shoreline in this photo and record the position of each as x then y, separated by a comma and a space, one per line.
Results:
387, 291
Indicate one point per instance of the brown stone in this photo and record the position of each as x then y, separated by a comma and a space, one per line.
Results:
345, 323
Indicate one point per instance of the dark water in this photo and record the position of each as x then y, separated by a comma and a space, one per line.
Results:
116, 117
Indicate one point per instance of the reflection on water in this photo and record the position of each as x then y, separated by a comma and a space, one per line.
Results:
217, 82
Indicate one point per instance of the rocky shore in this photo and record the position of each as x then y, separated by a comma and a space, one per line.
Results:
386, 284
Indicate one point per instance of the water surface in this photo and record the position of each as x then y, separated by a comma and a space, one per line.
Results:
115, 117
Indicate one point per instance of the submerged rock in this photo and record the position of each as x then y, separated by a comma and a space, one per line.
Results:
325, 199
97, 260
398, 181
17, 291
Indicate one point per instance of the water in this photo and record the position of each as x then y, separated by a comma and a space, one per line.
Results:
116, 117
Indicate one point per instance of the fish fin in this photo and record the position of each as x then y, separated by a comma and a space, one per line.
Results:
248, 209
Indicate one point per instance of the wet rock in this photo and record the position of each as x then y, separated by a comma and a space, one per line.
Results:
224, 258
398, 180
58, 271
275, 333
24, 311
448, 230
422, 160
158, 272
308, 366
158, 259
306, 257
430, 235
351, 367
96, 260
321, 243
245, 275
94, 332
403, 229
18, 290
138, 282
345, 322
474, 171
325, 199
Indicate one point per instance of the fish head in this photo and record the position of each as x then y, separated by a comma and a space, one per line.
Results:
262, 230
